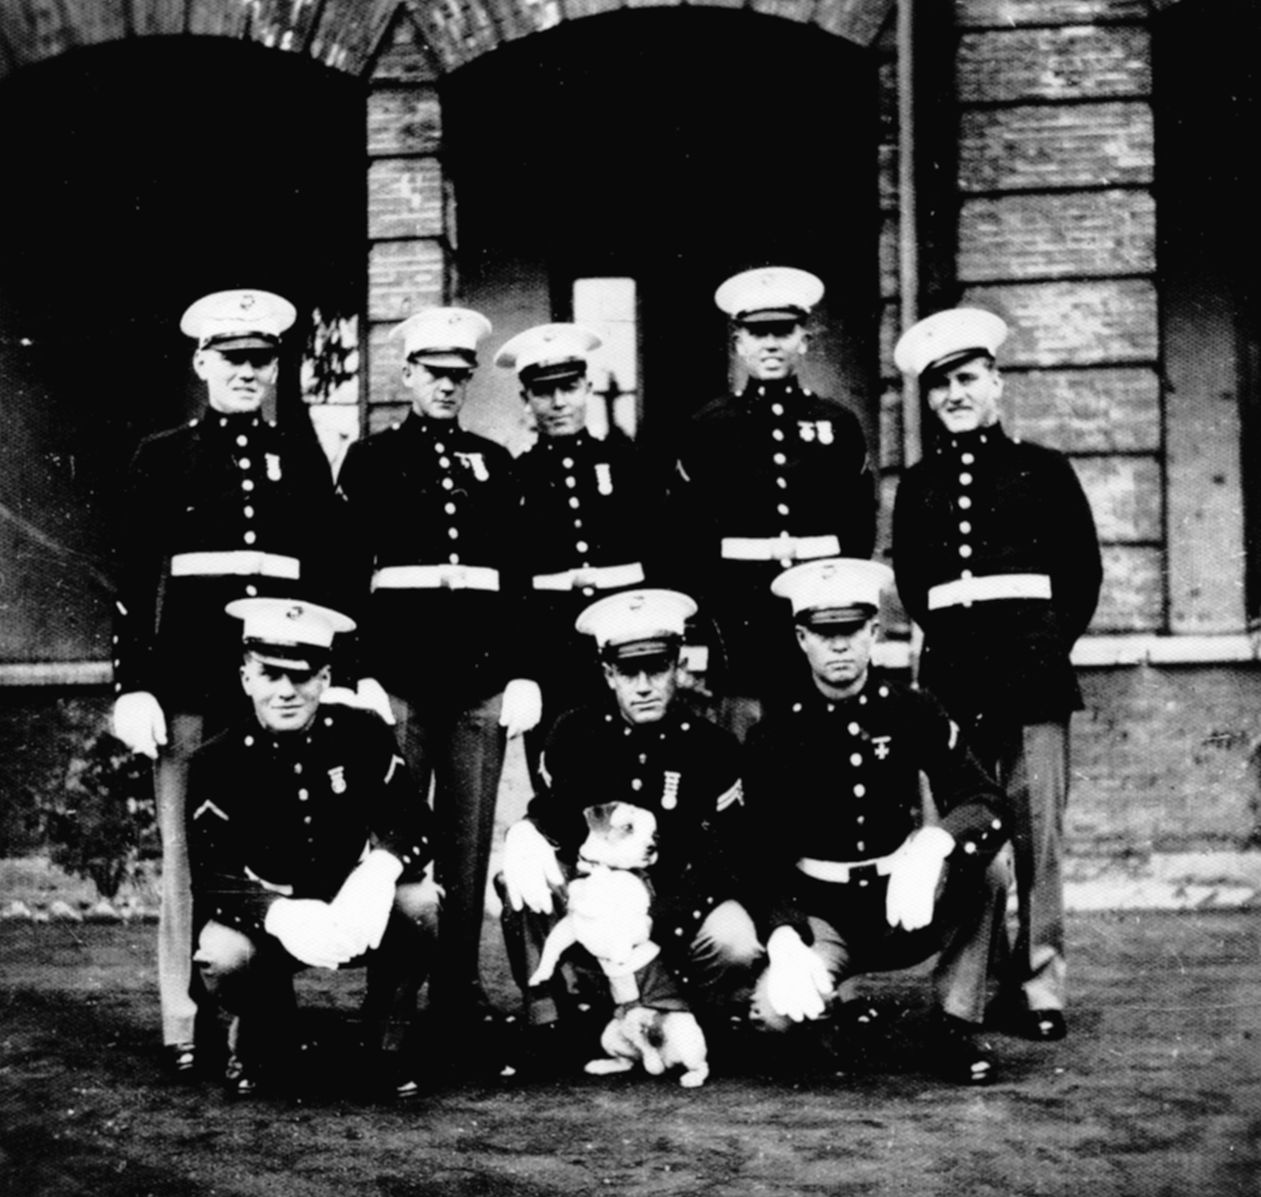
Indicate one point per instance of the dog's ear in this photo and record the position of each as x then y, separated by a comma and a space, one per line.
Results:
599, 817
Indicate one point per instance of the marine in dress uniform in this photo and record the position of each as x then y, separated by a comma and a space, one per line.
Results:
309, 843
591, 515
997, 559
845, 873
636, 747
433, 508
770, 476
227, 506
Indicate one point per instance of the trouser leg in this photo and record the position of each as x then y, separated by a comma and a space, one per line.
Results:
1034, 771
465, 793
398, 966
973, 913
253, 980
724, 957
525, 931
175, 911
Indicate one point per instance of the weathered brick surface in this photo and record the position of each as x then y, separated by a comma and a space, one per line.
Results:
1047, 146
1164, 759
1125, 495
889, 188
1203, 440
405, 198
457, 31
889, 256
156, 16
404, 120
385, 360
1133, 590
404, 276
402, 56
1092, 233
1077, 323
1089, 410
101, 22
383, 415
1007, 13
860, 21
1074, 62
891, 425
788, 10
589, 8
517, 18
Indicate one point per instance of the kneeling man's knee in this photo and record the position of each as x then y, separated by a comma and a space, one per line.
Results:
222, 951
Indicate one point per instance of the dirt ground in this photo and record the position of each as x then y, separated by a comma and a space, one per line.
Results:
1156, 1091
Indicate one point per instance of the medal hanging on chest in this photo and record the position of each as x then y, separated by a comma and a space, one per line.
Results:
604, 477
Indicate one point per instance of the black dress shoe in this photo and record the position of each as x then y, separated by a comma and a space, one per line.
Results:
959, 1054
239, 1079
182, 1058
1045, 1025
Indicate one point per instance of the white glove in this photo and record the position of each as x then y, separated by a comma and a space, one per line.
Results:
522, 706
914, 877
530, 868
797, 981
139, 723
363, 903
372, 697
308, 931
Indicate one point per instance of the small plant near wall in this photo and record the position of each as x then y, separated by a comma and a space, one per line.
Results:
103, 824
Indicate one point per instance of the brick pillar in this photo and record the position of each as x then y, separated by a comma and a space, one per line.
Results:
409, 214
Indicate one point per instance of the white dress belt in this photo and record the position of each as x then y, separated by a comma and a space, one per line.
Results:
234, 563
840, 871
779, 548
985, 589
436, 577
598, 577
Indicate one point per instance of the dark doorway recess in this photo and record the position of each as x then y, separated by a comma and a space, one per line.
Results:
673, 147
138, 177
1208, 102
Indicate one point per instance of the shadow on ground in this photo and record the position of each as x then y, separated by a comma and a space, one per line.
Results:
1156, 1091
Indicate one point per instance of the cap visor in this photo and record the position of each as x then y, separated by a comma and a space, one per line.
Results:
555, 373
836, 620
451, 358
241, 341
634, 650
951, 360
297, 658
772, 316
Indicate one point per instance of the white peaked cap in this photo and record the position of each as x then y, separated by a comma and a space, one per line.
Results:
957, 333
770, 293
850, 587
241, 317
631, 616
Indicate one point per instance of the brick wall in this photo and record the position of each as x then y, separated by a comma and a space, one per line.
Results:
1057, 232
1166, 759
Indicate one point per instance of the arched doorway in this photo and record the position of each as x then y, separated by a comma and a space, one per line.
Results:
667, 149
142, 175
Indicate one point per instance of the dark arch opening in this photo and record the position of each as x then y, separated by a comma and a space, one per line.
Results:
676, 147
139, 176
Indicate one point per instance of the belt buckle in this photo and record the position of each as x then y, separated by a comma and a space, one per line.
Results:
867, 872
785, 550
585, 576
454, 578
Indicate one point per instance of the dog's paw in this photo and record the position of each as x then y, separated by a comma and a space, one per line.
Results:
693, 1078
608, 1065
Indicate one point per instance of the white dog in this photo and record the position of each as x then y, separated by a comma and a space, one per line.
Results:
608, 915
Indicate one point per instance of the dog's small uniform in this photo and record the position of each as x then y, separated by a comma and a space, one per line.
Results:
608, 914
